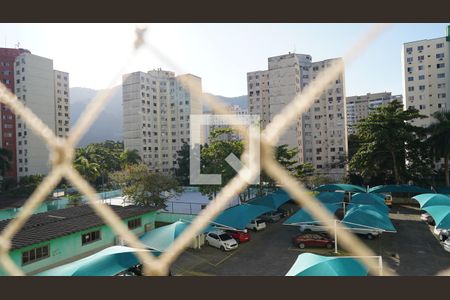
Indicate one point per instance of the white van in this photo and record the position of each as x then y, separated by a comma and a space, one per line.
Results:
256, 225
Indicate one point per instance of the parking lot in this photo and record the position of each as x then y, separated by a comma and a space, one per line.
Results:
413, 250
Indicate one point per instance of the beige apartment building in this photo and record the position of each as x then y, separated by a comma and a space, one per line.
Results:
157, 106
320, 133
359, 107
46, 92
426, 73
236, 110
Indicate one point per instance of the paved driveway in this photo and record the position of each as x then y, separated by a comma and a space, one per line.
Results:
412, 251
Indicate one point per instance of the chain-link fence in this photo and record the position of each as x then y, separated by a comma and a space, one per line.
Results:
62, 154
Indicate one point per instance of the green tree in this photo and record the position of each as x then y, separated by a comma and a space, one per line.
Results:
387, 140
285, 157
213, 157
145, 188
5, 161
183, 162
74, 200
129, 157
439, 139
89, 169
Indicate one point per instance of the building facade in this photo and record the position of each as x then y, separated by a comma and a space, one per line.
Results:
320, 133
54, 238
46, 92
359, 107
157, 106
7, 117
236, 110
426, 73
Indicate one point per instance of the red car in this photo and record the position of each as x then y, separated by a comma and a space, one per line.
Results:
312, 240
239, 236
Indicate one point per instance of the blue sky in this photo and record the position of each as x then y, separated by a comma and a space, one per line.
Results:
221, 54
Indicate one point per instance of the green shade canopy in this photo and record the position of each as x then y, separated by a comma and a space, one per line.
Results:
440, 214
432, 199
108, 262
303, 216
398, 188
444, 190
370, 199
367, 216
308, 264
163, 237
340, 187
330, 197
274, 200
239, 216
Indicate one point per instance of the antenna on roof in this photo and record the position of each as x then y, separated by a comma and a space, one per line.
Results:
17, 45
294, 48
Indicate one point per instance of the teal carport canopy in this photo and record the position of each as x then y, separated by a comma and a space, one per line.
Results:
108, 262
440, 214
444, 190
308, 264
432, 199
303, 216
274, 200
340, 187
239, 216
370, 199
330, 197
398, 188
163, 237
367, 216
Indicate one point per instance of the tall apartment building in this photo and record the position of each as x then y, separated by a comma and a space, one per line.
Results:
359, 107
320, 133
426, 75
157, 107
7, 118
46, 92
236, 110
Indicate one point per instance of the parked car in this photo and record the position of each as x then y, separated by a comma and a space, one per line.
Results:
221, 240
317, 227
239, 236
271, 217
283, 212
369, 233
388, 200
135, 271
256, 225
312, 240
444, 234
312, 227
427, 218
447, 245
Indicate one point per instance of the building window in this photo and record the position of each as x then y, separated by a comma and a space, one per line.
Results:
440, 45
132, 224
441, 75
439, 55
410, 78
35, 254
439, 66
90, 237
421, 77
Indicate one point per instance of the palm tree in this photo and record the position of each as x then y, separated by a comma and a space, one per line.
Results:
440, 139
129, 157
88, 169
5, 161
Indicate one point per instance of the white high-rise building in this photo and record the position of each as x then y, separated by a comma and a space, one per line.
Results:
157, 108
426, 76
236, 110
358, 107
46, 92
320, 133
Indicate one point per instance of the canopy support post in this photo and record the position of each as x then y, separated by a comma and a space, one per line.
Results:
380, 263
335, 237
